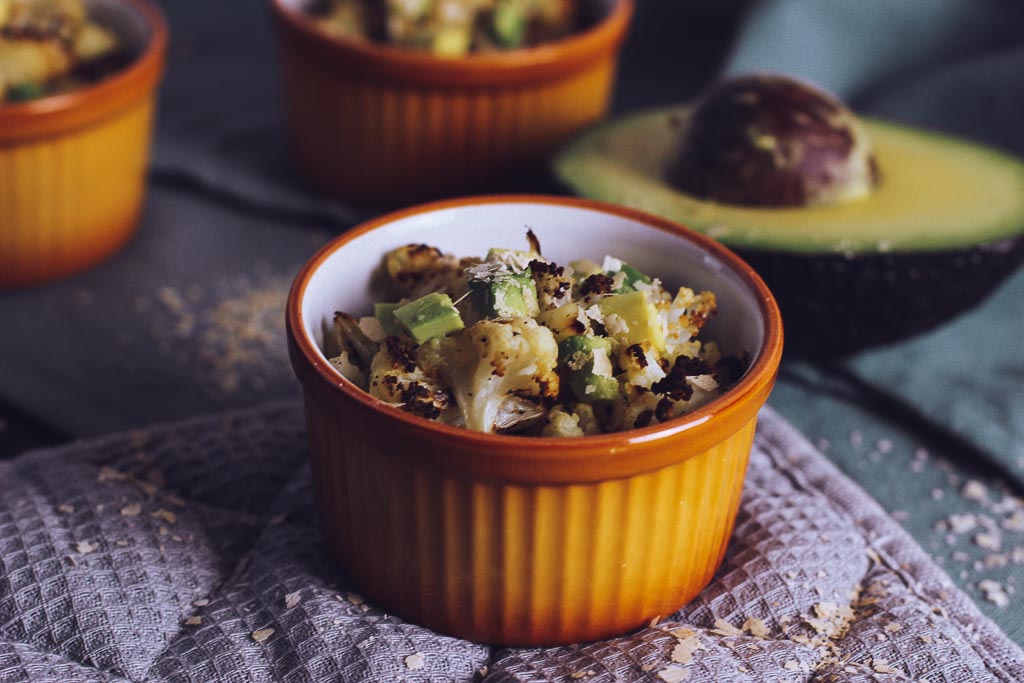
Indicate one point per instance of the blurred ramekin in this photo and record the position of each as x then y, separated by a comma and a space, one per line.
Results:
73, 166
382, 126
522, 540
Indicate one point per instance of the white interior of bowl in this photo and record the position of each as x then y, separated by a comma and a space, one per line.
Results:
345, 280
130, 26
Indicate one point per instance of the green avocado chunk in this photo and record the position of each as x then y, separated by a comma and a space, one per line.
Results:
498, 292
25, 91
509, 23
587, 362
433, 315
632, 318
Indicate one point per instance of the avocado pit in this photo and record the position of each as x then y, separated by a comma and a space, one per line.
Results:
766, 140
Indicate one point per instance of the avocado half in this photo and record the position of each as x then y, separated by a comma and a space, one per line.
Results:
944, 227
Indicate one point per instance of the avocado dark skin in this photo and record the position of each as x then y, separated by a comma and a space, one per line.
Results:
834, 305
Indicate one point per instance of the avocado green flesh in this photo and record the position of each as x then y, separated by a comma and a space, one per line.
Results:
433, 315
936, 193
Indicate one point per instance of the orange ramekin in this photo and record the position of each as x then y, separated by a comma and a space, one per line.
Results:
73, 166
527, 540
377, 125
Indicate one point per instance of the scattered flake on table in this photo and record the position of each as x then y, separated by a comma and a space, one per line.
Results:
235, 329
66, 509
292, 599
110, 474
755, 627
582, 674
415, 661
131, 510
166, 515
975, 490
724, 628
262, 634
194, 620
684, 649
994, 592
882, 666
202, 602
85, 547
988, 541
674, 674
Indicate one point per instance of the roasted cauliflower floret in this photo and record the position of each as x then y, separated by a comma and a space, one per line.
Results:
554, 284
498, 370
419, 269
396, 378
640, 364
576, 420
684, 318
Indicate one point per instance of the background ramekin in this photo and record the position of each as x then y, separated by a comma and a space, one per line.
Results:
521, 540
377, 125
73, 166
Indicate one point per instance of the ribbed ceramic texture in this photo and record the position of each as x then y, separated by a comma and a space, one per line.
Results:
68, 201
376, 141
523, 564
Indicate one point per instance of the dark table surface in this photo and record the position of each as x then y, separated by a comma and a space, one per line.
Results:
187, 319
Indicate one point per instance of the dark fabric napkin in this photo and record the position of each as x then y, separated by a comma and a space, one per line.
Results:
191, 552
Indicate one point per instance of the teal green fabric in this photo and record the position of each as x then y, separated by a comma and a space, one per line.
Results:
915, 422
967, 377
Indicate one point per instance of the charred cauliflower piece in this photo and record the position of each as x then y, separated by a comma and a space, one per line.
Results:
396, 378
419, 269
553, 282
502, 372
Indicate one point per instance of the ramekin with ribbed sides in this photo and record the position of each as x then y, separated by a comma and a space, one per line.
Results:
524, 540
383, 126
73, 165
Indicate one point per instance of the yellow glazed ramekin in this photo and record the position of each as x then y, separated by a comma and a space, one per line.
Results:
377, 125
523, 540
73, 166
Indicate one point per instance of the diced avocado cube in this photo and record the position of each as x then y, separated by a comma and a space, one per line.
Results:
433, 315
451, 41
587, 362
385, 313
632, 318
497, 292
25, 91
509, 23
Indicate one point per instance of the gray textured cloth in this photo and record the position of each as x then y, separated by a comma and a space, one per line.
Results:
191, 552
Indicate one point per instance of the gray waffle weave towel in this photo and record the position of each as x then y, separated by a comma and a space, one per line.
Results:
191, 552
